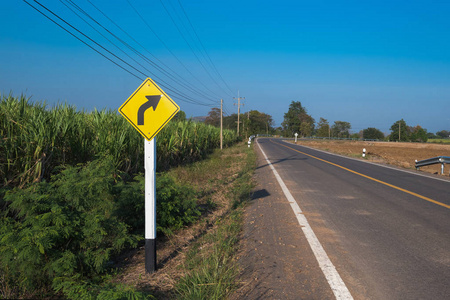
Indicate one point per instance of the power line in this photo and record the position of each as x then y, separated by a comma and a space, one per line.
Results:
184, 98
59, 25
190, 47
132, 70
168, 49
175, 74
203, 47
131, 48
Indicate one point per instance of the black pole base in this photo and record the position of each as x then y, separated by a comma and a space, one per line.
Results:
150, 255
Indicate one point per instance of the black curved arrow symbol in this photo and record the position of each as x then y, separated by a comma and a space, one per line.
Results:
152, 102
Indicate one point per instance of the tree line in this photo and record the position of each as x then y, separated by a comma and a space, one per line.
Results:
297, 120
251, 122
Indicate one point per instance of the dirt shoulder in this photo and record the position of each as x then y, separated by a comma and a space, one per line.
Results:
276, 259
217, 180
397, 154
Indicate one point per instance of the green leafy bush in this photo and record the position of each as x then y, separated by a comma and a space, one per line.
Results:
64, 234
62, 231
107, 291
176, 204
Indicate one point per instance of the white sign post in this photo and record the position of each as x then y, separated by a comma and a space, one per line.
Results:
149, 109
150, 205
296, 135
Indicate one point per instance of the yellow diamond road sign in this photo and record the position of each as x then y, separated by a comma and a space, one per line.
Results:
149, 109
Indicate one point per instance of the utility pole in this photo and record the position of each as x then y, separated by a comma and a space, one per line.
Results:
399, 131
248, 124
243, 125
239, 109
221, 124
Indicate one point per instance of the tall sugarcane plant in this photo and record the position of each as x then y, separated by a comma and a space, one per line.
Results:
36, 139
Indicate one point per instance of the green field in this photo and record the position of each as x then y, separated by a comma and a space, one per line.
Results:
36, 140
72, 198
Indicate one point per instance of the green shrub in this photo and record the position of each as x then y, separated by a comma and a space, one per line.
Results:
107, 291
176, 204
65, 233
130, 203
64, 230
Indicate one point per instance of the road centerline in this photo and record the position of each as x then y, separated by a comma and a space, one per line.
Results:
368, 177
332, 276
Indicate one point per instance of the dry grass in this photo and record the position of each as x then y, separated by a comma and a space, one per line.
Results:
397, 154
214, 178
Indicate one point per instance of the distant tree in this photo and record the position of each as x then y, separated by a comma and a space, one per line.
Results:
306, 129
431, 135
355, 136
341, 129
213, 117
180, 116
372, 134
323, 128
258, 122
418, 134
291, 122
443, 134
278, 131
230, 122
399, 128
295, 117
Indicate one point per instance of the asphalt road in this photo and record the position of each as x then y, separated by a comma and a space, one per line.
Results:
386, 231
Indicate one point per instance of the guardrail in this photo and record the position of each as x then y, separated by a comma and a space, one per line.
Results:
435, 160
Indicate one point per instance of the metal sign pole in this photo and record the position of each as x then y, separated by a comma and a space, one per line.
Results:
150, 205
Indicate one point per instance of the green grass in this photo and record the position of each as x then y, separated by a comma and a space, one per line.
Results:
439, 141
211, 267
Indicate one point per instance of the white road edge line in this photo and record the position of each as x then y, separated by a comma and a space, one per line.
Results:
335, 281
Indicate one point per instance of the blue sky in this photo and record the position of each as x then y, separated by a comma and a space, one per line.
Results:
367, 63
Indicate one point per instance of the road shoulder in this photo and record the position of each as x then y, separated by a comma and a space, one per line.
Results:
275, 257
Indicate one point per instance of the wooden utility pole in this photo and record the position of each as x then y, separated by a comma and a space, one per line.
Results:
221, 123
248, 124
243, 125
239, 109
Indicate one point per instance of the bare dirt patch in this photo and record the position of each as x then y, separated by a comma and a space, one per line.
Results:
398, 154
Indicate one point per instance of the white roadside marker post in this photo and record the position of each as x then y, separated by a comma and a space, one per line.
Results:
296, 135
150, 205
364, 152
